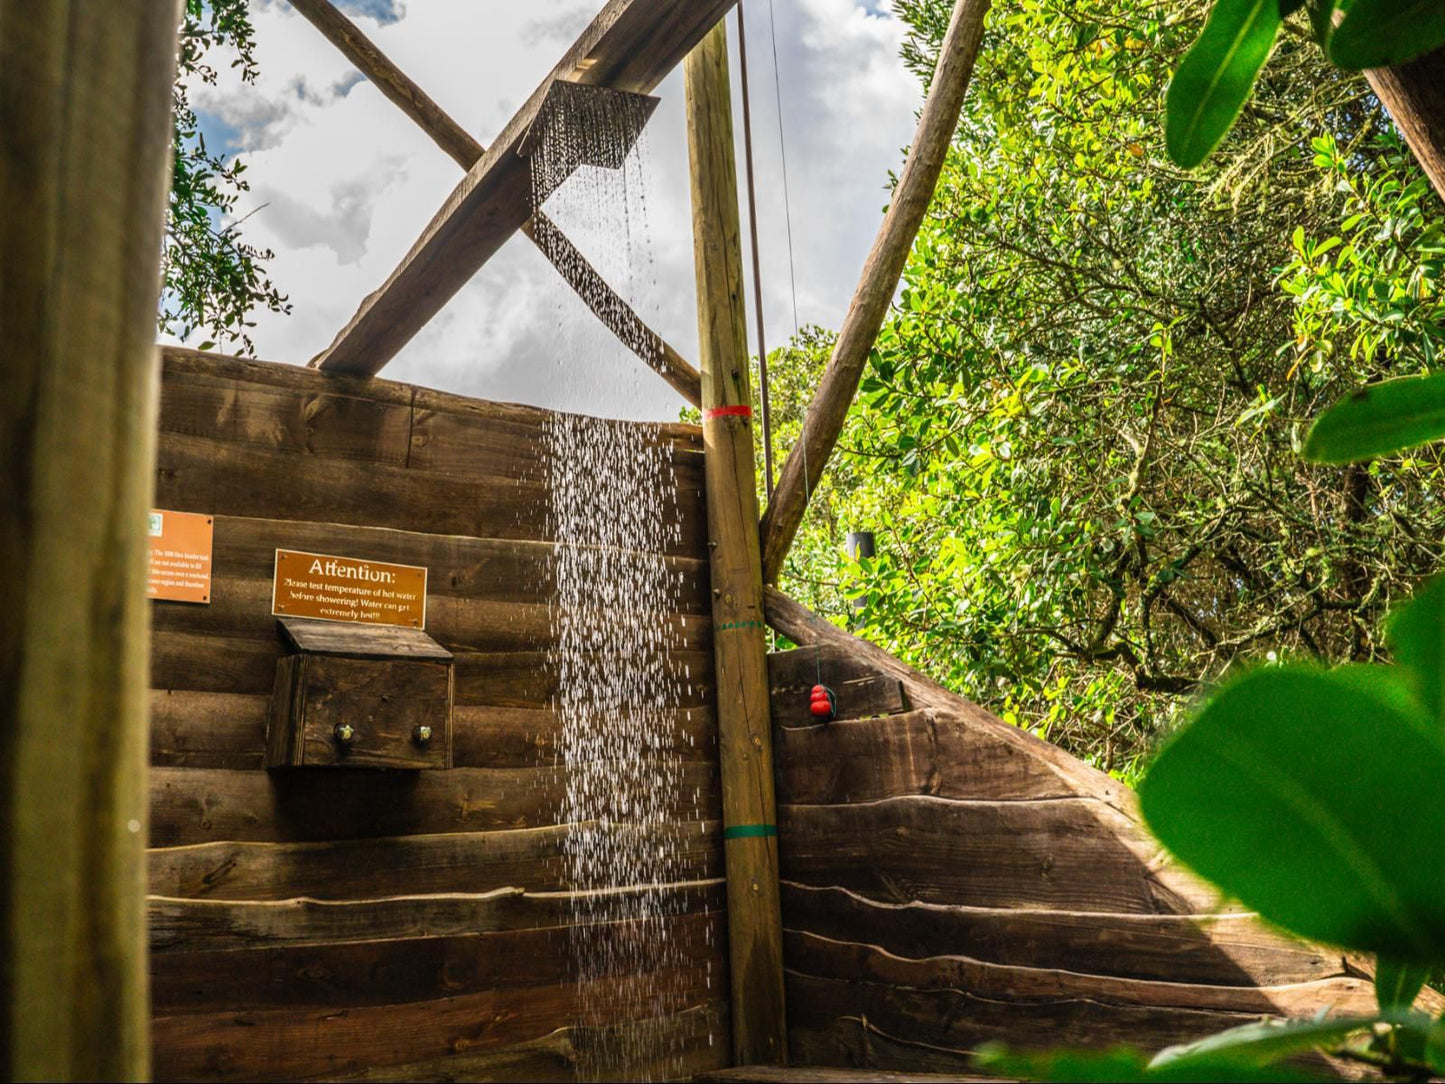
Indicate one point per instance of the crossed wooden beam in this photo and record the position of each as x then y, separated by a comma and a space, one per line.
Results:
630, 46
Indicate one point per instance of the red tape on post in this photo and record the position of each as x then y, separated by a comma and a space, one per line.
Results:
727, 412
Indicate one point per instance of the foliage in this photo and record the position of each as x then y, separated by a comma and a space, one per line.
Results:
1077, 439
211, 278
1215, 77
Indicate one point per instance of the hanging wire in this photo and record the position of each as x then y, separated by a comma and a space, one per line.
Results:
757, 264
787, 212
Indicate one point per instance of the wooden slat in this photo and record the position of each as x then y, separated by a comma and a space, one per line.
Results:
195, 806
531, 859
515, 572
269, 404
519, 679
228, 730
859, 690
390, 971
288, 1044
947, 1026
678, 1047
920, 752
810, 954
1075, 854
1220, 950
189, 925
208, 729
199, 474
629, 46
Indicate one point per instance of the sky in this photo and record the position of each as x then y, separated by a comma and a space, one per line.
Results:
342, 183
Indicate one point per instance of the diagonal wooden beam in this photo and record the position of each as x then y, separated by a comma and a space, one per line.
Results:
631, 45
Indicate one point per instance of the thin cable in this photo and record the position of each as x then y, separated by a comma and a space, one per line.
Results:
783, 155
788, 217
757, 265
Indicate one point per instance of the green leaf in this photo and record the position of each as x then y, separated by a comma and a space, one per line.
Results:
1264, 1043
1416, 635
1215, 77
1379, 419
1381, 33
1314, 798
1397, 984
1124, 1065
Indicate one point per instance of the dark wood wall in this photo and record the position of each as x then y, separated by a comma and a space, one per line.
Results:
396, 925
949, 880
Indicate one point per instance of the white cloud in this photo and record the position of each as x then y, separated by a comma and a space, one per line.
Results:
348, 183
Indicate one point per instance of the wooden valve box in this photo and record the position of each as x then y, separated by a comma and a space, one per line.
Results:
360, 696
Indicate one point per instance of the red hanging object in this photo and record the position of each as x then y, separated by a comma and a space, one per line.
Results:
822, 703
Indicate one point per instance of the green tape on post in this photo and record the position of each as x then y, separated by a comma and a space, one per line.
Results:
743, 831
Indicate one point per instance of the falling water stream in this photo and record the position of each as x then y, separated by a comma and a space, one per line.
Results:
615, 627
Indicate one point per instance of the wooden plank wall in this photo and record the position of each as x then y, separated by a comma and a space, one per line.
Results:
949, 880
353, 924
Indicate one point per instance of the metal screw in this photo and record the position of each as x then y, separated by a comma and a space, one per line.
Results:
421, 734
345, 733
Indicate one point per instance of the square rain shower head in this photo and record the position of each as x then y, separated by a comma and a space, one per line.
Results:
583, 125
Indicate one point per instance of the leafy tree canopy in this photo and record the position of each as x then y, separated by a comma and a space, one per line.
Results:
211, 278
1078, 439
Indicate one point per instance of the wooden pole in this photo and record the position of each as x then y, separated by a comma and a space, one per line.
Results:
1414, 95
804, 466
744, 727
85, 95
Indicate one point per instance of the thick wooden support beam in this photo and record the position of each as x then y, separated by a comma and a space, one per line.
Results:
1414, 94
804, 467
85, 95
740, 651
631, 45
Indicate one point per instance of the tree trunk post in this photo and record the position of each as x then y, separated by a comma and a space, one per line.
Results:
1414, 95
85, 96
744, 726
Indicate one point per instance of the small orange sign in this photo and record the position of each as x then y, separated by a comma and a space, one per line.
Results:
347, 589
180, 556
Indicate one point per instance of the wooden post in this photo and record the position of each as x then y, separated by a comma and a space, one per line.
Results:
85, 95
744, 728
1414, 95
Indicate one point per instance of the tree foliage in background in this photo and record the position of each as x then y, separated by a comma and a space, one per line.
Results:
211, 278
1077, 441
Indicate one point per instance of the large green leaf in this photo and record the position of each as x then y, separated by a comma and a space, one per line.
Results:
1379, 419
1123, 1065
1315, 798
1379, 33
1264, 1043
1416, 634
1215, 77
1397, 984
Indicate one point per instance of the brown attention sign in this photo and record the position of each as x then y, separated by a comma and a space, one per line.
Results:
347, 589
